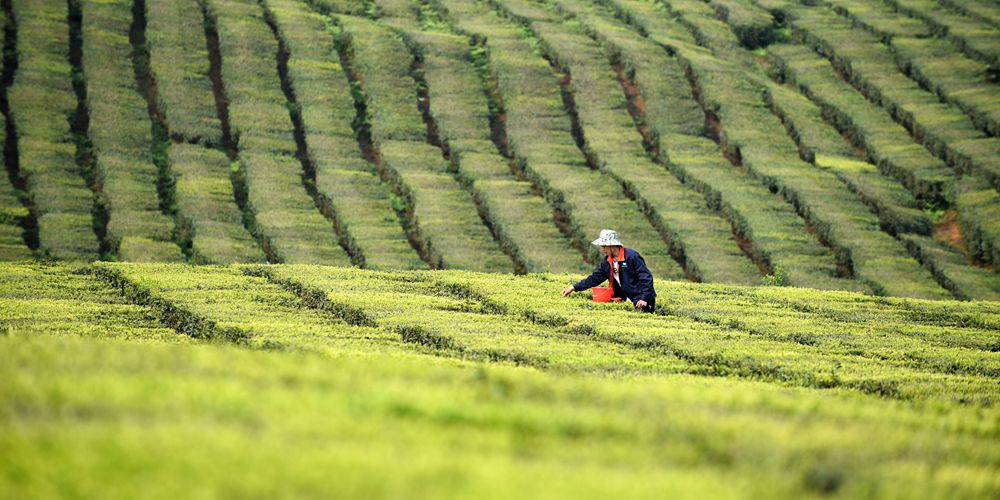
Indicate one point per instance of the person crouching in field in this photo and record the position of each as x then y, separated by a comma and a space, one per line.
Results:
632, 279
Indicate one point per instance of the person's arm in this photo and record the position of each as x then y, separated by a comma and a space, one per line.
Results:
645, 279
600, 275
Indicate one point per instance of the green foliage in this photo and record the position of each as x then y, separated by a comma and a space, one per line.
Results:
769, 228
701, 240
281, 215
933, 213
746, 132
944, 130
138, 225
346, 189
777, 279
730, 389
782, 35
179, 60
41, 99
754, 26
205, 195
440, 213
431, 21
465, 104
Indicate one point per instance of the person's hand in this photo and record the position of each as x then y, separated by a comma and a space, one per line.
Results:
641, 304
568, 290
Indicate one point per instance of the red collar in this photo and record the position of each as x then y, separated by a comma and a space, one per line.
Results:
621, 255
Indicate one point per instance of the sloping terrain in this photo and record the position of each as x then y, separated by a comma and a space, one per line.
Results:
323, 381
314, 248
836, 145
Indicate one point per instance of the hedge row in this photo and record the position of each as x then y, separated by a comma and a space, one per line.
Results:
953, 270
540, 134
203, 187
962, 82
137, 229
879, 18
977, 39
984, 11
13, 214
870, 66
785, 335
897, 209
800, 63
901, 350
754, 27
734, 88
978, 206
702, 238
770, 229
179, 59
885, 142
41, 98
933, 62
459, 103
286, 218
348, 186
445, 214
38, 299
502, 325
424, 312
205, 203
822, 145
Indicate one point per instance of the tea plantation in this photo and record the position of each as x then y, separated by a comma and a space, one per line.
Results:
310, 380
314, 248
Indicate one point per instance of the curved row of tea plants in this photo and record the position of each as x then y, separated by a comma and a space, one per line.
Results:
285, 218
523, 128
392, 376
192, 137
120, 133
41, 100
348, 186
456, 96
442, 214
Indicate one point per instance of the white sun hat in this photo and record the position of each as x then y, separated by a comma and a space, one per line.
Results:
608, 238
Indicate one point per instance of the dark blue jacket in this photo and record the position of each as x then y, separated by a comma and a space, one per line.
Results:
637, 281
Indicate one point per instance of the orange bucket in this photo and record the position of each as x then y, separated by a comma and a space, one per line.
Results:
603, 294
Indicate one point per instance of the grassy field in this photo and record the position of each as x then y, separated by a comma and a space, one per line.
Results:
314, 248
830, 145
318, 381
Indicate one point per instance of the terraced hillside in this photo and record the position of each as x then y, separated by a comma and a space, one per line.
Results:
255, 380
839, 144
314, 248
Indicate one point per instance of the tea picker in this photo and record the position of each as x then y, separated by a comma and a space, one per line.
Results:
626, 273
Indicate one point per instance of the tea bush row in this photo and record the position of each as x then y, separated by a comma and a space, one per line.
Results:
838, 215
539, 130
41, 100
286, 219
821, 144
441, 213
458, 82
137, 229
943, 129
14, 216
769, 228
935, 63
801, 65
972, 36
348, 186
204, 191
677, 211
